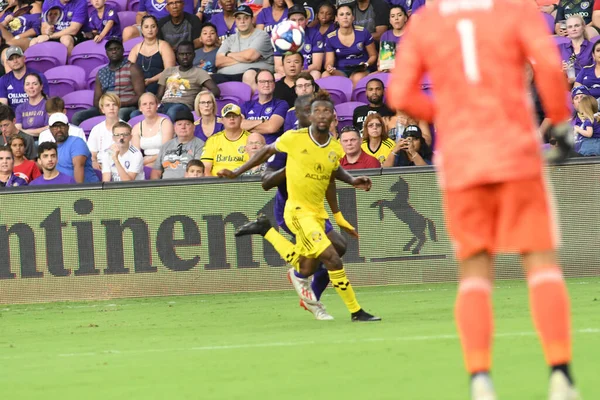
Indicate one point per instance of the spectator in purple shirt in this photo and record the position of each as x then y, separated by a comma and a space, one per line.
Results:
208, 124
266, 114
152, 7
7, 177
32, 117
48, 159
578, 52
268, 17
225, 20
589, 76
67, 26
392, 37
12, 90
312, 50
103, 22
325, 21
587, 142
18, 25
351, 61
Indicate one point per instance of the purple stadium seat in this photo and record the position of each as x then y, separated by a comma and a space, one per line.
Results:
133, 5
77, 101
345, 111
339, 87
88, 124
133, 121
147, 172
127, 18
88, 55
43, 57
549, 22
65, 79
360, 91
91, 79
237, 90
128, 45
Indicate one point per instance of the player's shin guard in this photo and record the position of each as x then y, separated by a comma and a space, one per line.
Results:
474, 319
343, 287
551, 313
284, 247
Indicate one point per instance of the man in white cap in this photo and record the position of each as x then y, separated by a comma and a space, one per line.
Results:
74, 157
57, 105
12, 91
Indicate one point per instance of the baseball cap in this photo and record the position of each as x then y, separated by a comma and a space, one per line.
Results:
58, 117
297, 9
184, 115
243, 9
574, 92
231, 108
412, 131
14, 50
113, 39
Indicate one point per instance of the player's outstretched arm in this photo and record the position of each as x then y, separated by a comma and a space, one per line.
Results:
258, 158
272, 178
359, 182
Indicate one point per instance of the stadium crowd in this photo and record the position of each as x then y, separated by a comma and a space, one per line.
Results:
202, 87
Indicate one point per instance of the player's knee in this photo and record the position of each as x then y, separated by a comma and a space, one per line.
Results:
332, 260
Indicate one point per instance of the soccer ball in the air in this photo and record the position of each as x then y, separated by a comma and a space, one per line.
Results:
287, 36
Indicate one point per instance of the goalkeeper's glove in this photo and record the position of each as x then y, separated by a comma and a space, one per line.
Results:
341, 221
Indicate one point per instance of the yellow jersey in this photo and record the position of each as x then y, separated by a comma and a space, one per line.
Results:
224, 153
381, 153
309, 168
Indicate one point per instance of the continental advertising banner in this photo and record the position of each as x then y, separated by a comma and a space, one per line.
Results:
176, 239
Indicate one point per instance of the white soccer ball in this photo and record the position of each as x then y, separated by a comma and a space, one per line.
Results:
287, 37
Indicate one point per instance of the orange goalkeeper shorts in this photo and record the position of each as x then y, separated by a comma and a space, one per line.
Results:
513, 216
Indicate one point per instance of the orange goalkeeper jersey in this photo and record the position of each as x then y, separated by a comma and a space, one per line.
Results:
475, 52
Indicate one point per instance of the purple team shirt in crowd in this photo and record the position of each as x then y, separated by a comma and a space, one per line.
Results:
223, 32
595, 126
313, 43
265, 17
32, 117
158, 8
291, 121
199, 132
96, 23
13, 89
23, 23
583, 59
408, 5
73, 11
388, 36
253, 110
587, 77
61, 179
346, 57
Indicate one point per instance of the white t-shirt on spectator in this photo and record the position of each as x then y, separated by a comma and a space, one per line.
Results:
100, 140
132, 161
74, 130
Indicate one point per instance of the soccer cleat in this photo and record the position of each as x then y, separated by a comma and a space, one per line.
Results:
302, 287
260, 225
482, 388
363, 316
318, 310
561, 388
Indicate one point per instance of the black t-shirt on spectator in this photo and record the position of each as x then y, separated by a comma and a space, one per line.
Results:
284, 92
361, 113
567, 8
188, 30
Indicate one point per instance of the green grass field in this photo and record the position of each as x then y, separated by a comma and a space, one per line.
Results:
263, 346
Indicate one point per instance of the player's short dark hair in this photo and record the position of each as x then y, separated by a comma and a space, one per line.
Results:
377, 80
290, 54
47, 146
5, 148
185, 43
322, 96
194, 163
55, 105
261, 71
6, 113
209, 25
121, 124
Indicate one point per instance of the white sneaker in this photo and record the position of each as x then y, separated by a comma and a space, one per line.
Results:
318, 310
302, 287
482, 388
560, 388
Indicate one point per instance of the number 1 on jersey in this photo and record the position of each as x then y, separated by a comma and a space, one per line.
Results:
466, 31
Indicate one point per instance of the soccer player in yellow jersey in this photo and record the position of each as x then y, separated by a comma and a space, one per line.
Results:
226, 149
313, 161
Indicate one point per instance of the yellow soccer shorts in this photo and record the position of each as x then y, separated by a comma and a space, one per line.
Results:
309, 229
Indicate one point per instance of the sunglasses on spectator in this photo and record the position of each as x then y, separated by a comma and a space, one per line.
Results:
349, 128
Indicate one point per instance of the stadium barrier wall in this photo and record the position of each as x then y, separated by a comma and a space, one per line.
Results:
175, 238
